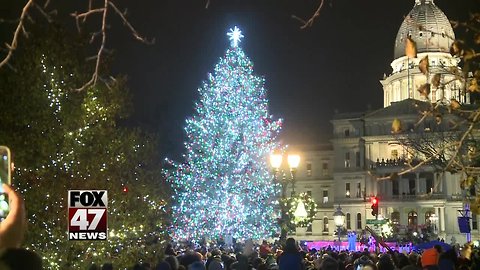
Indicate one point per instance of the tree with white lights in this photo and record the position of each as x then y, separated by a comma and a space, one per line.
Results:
63, 140
224, 186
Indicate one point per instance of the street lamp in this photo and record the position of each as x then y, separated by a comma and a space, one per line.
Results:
276, 163
339, 219
293, 161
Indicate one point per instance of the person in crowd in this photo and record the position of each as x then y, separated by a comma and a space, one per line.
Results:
169, 250
385, 262
264, 250
430, 259
216, 264
447, 260
173, 262
215, 254
329, 263
107, 266
198, 265
291, 258
13, 227
190, 257
12, 232
163, 265
364, 263
241, 263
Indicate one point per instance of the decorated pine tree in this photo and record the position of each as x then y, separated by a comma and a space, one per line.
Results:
224, 187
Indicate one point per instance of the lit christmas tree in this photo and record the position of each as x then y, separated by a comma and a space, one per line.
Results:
65, 140
224, 187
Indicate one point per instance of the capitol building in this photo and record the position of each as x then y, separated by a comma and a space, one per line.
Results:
364, 159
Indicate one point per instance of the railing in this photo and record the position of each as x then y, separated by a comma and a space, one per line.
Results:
419, 197
393, 162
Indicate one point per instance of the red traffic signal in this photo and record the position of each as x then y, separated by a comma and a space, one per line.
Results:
375, 206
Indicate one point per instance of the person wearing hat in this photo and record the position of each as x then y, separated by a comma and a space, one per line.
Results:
430, 259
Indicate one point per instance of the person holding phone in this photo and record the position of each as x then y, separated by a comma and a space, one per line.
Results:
12, 232
13, 227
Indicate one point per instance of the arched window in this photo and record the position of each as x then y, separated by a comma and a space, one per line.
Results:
349, 222
325, 224
359, 221
428, 220
412, 219
395, 218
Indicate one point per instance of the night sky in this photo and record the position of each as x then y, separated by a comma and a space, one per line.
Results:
334, 65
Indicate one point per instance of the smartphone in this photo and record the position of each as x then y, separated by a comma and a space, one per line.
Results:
5, 177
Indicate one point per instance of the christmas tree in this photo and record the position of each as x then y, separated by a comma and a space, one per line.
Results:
224, 188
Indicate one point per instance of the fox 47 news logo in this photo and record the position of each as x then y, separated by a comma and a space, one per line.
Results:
87, 215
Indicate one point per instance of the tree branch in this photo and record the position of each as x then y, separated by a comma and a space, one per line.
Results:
13, 45
129, 26
309, 22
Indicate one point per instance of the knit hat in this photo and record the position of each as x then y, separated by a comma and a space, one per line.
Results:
430, 257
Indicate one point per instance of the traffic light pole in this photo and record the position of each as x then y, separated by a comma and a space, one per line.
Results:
375, 213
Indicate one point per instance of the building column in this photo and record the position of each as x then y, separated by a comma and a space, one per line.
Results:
442, 219
417, 184
440, 179
384, 187
437, 223
400, 187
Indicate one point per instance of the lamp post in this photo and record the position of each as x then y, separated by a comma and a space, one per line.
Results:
276, 163
339, 219
293, 162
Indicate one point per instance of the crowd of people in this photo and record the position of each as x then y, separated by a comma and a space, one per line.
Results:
245, 256
292, 257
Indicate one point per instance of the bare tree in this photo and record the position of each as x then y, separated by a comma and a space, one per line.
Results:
29, 15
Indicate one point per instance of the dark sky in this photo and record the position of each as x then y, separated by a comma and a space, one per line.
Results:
334, 65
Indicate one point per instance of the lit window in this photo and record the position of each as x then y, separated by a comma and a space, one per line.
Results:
395, 218
347, 190
412, 220
309, 169
394, 154
359, 190
347, 160
428, 220
325, 196
325, 171
325, 224
359, 221
357, 159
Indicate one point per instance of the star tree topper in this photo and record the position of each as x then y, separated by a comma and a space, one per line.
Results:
234, 35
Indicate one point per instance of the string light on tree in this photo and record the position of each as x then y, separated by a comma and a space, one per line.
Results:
65, 132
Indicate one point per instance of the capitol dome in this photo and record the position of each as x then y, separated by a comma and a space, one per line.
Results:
428, 26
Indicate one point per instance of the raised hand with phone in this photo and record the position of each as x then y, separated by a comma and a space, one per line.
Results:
13, 220
5, 178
